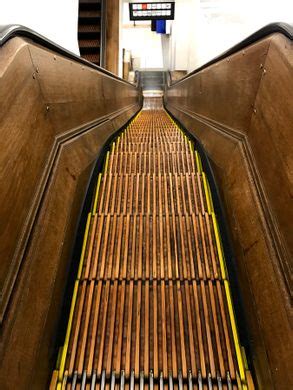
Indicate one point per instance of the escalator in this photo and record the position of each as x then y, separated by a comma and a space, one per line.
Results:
90, 30
146, 236
152, 307
152, 80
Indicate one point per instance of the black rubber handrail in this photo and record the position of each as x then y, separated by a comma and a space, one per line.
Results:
14, 30
283, 28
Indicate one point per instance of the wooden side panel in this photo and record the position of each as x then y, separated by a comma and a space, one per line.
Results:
241, 110
226, 91
56, 116
270, 137
26, 134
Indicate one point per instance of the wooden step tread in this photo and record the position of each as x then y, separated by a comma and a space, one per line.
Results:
165, 327
90, 14
89, 28
149, 247
149, 193
89, 44
153, 309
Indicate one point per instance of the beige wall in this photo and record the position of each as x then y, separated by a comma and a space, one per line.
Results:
203, 29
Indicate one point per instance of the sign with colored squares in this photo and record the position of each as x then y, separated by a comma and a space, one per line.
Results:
152, 11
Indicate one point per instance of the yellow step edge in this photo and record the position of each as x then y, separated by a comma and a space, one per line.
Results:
239, 383
244, 357
191, 146
198, 162
206, 191
210, 196
106, 162
235, 333
59, 358
248, 376
73, 301
87, 227
62, 384
68, 332
97, 193
239, 351
219, 246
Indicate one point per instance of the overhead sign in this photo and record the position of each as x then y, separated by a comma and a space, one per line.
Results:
152, 11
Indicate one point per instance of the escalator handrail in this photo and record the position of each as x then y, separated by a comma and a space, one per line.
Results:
16, 30
283, 28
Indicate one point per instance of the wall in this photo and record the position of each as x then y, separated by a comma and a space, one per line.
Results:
181, 38
144, 44
203, 29
221, 24
55, 19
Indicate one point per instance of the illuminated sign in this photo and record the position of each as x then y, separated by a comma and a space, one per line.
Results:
152, 11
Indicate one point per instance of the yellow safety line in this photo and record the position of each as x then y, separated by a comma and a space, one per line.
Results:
206, 191
244, 358
238, 380
219, 246
191, 146
234, 331
59, 358
198, 162
106, 162
62, 385
73, 301
97, 193
68, 331
210, 196
239, 355
87, 227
